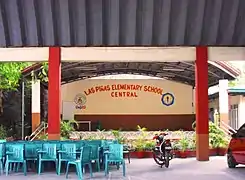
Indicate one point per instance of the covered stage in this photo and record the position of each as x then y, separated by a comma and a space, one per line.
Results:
126, 31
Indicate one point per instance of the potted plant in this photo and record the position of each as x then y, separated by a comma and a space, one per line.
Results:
118, 136
183, 145
66, 127
149, 145
139, 147
222, 146
192, 146
176, 149
213, 146
217, 138
140, 141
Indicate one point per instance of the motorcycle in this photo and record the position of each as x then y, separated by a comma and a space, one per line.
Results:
162, 152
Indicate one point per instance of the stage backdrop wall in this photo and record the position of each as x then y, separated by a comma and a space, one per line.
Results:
125, 97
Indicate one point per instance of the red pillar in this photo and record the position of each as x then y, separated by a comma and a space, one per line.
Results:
201, 76
54, 88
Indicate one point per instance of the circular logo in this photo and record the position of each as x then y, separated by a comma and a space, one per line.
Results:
80, 99
167, 99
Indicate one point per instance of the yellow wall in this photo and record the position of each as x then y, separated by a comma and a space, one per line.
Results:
102, 102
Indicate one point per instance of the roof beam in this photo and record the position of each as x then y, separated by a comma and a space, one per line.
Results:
121, 54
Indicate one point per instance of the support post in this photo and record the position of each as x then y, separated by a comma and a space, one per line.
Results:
54, 88
23, 110
201, 77
35, 104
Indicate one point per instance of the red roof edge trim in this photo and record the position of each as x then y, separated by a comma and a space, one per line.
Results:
31, 68
229, 67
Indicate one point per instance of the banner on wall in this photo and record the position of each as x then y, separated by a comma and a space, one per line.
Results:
124, 91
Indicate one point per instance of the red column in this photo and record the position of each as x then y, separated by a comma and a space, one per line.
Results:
54, 88
201, 76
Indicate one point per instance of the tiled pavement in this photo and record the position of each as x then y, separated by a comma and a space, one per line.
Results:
146, 169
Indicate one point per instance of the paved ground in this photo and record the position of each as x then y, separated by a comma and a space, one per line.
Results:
146, 169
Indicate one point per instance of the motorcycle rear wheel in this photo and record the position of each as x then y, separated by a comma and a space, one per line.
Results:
158, 159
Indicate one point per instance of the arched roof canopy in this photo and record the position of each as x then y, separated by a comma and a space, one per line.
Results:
183, 72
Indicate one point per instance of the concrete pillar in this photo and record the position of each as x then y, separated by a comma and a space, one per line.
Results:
36, 108
54, 93
201, 77
224, 101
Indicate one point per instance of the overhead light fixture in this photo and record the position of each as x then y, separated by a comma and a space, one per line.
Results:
172, 69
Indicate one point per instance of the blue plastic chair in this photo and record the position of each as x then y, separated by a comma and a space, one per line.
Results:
94, 142
85, 159
47, 154
114, 156
80, 144
31, 149
1, 157
15, 154
106, 145
66, 154
95, 155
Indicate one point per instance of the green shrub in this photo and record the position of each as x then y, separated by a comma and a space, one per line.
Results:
217, 138
140, 142
118, 136
43, 137
3, 132
66, 127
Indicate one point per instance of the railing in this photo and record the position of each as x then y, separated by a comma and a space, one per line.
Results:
41, 128
226, 128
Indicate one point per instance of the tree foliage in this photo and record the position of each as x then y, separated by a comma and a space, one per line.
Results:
240, 81
10, 74
43, 74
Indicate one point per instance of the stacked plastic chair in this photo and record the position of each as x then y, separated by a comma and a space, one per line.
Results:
66, 154
85, 159
95, 155
1, 157
15, 155
114, 156
47, 154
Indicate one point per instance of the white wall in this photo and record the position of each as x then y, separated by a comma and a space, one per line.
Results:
241, 109
233, 100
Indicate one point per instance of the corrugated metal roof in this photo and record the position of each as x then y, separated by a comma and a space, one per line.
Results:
121, 22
